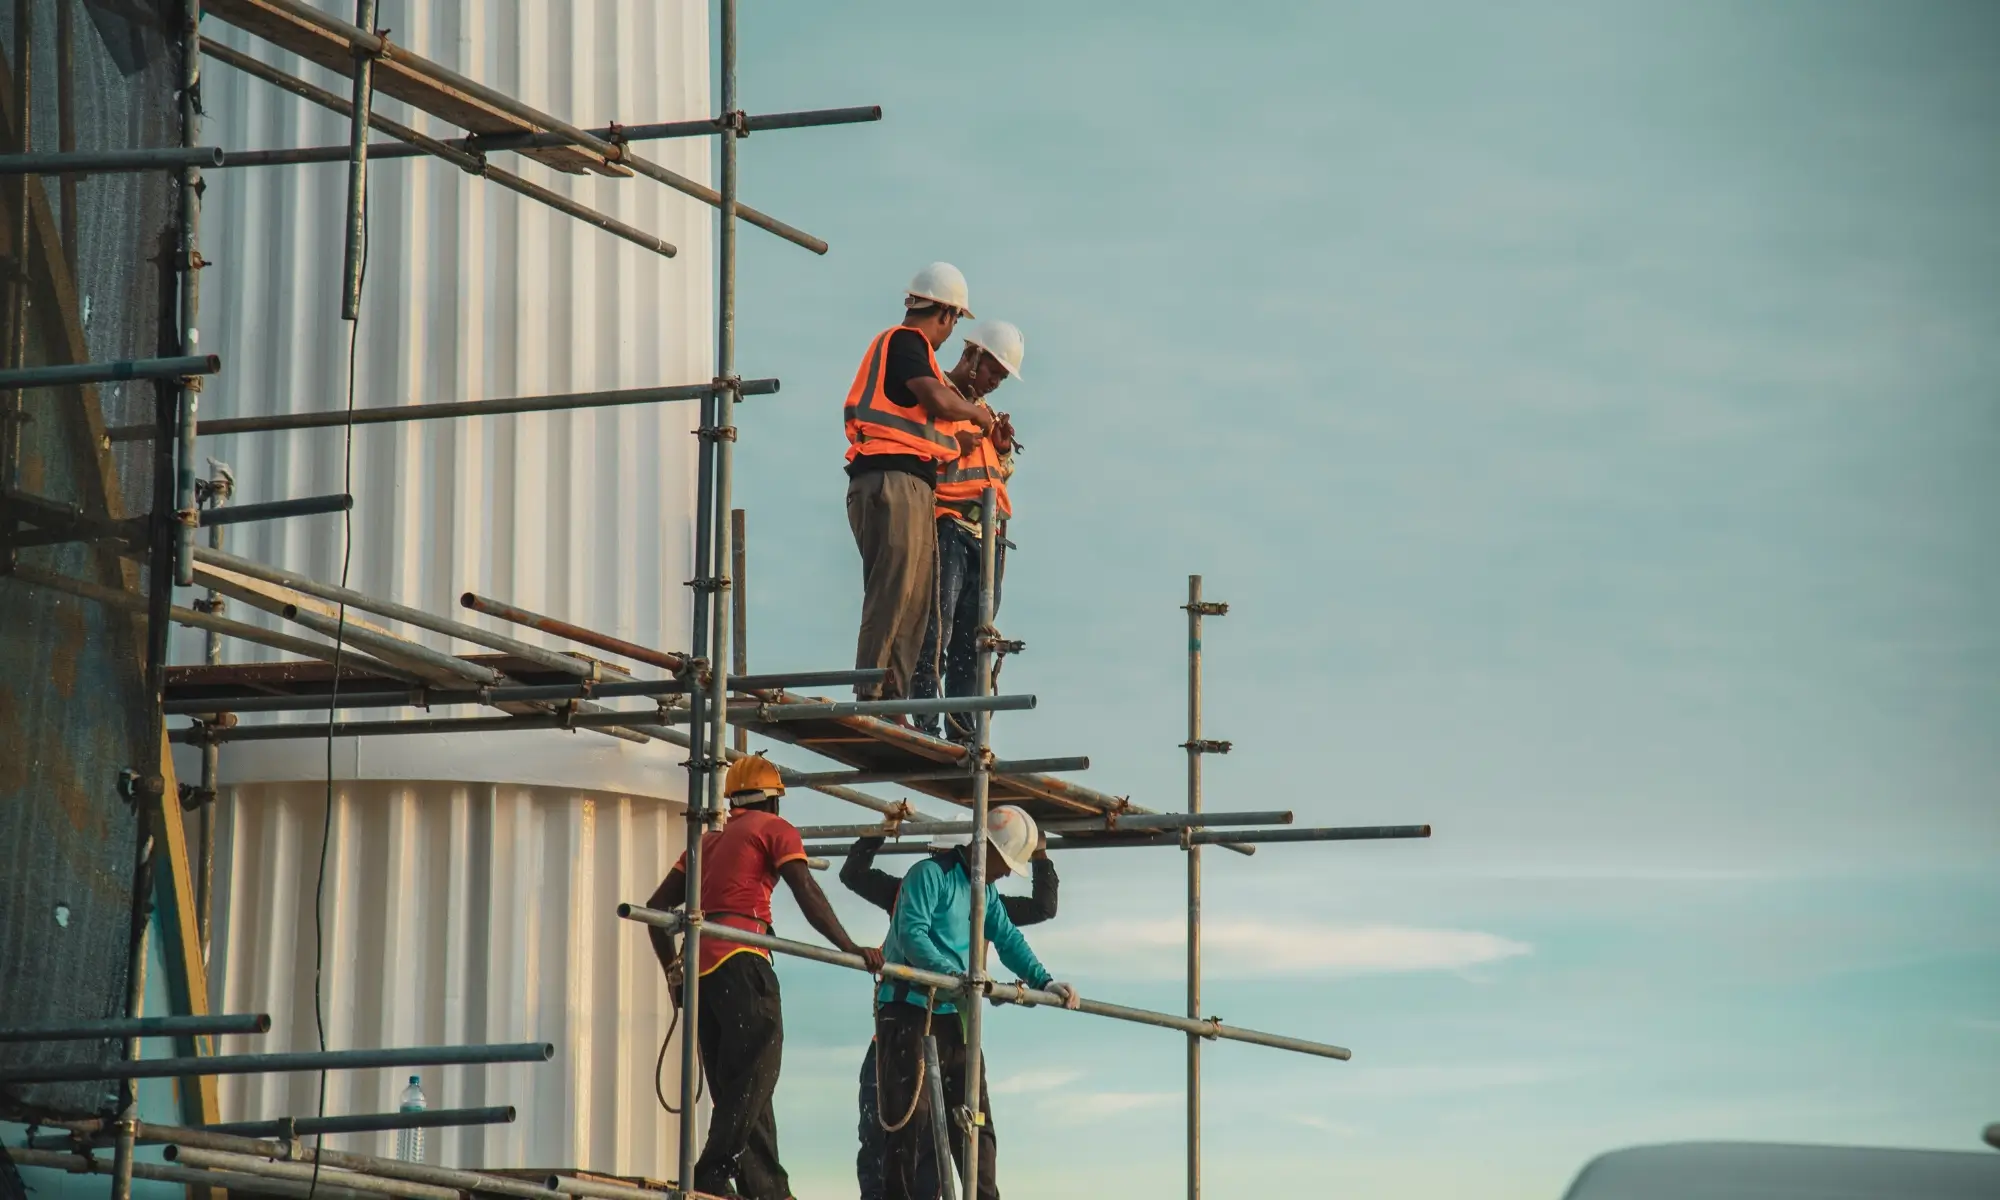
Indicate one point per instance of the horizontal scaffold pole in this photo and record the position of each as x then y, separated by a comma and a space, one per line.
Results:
644, 721
111, 162
1005, 993
567, 664
412, 143
616, 157
303, 506
1114, 823
1232, 837
281, 422
128, 1027
77, 374
420, 697
342, 1160
84, 1164
1003, 767
351, 661
263, 1064
430, 1118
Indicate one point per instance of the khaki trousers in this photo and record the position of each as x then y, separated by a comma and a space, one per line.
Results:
890, 513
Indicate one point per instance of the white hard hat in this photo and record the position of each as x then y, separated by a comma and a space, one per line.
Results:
1010, 830
941, 283
1001, 339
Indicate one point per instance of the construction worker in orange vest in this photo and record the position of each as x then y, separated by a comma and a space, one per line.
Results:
992, 355
742, 1020
905, 422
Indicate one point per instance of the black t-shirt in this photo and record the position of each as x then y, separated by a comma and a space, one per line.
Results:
909, 358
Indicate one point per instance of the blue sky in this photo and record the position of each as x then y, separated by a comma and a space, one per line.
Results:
1589, 414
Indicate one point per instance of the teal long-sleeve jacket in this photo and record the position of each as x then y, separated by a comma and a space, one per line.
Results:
932, 929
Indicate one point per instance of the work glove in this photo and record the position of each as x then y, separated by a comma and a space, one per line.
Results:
1067, 992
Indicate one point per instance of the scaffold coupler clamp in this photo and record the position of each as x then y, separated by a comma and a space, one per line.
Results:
736, 122
990, 639
1207, 608
1207, 746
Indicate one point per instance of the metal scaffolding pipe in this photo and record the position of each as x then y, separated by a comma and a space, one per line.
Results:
949, 771
1113, 824
662, 659
414, 144
307, 1173
426, 697
260, 1064
1361, 833
392, 648
1000, 993
77, 374
108, 162
304, 506
283, 422
568, 664
820, 710
79, 1164
366, 1164
757, 123
596, 1189
123, 1027
434, 1118
617, 157
128, 602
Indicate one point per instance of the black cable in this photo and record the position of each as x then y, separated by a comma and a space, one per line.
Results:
333, 702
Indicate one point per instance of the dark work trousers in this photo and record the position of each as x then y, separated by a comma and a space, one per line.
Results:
875, 1143
899, 1046
889, 513
742, 1044
952, 636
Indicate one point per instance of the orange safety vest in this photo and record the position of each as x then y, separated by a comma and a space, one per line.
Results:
878, 425
960, 482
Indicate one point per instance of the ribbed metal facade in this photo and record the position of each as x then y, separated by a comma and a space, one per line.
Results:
478, 908
456, 913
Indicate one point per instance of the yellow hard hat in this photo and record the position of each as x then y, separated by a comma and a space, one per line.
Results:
753, 773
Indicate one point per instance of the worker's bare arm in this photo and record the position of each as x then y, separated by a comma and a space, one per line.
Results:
820, 915
942, 401
669, 895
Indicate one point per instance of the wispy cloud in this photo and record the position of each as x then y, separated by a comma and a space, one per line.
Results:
1042, 1080
1249, 949
1080, 1106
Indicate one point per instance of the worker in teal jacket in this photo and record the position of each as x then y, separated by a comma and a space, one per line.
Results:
932, 930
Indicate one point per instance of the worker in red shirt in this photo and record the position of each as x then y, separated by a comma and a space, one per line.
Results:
742, 1023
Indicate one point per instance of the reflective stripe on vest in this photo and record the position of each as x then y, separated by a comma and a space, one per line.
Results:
878, 425
970, 474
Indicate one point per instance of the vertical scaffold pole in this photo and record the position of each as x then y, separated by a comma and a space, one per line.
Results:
189, 254
357, 168
739, 607
708, 730
974, 1111
1197, 608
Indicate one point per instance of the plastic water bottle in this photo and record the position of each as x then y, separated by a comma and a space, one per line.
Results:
410, 1142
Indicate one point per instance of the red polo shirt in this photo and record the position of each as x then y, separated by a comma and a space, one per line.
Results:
739, 867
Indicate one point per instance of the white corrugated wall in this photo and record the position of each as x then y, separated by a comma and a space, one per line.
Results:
478, 908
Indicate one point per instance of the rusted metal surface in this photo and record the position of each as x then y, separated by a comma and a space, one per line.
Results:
73, 711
